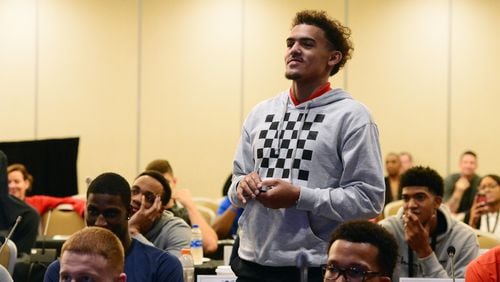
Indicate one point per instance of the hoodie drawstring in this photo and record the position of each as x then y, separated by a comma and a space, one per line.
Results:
280, 132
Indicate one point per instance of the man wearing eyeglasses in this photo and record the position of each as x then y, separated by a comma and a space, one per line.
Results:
361, 251
425, 230
150, 219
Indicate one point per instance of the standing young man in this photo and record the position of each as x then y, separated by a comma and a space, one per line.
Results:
308, 159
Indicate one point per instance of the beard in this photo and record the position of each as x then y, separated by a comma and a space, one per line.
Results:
292, 75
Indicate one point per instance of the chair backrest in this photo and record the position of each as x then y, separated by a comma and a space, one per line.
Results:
210, 203
61, 221
486, 239
8, 255
392, 208
207, 213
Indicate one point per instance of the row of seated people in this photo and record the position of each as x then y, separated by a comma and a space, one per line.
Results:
150, 221
423, 224
358, 251
180, 204
365, 251
460, 188
426, 234
469, 197
424, 229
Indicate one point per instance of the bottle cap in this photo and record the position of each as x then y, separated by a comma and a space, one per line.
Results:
185, 251
195, 226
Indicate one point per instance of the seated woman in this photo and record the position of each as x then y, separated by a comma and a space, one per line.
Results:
11, 208
20, 181
484, 213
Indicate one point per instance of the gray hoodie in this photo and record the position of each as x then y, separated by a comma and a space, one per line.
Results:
437, 265
170, 233
327, 146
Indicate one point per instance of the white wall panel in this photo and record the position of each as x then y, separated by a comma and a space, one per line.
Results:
17, 69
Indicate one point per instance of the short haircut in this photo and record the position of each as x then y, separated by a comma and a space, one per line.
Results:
167, 191
410, 157
392, 154
100, 242
495, 178
112, 184
337, 34
361, 231
471, 153
423, 176
22, 169
160, 165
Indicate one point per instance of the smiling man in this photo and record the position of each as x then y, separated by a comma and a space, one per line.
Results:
150, 196
108, 206
308, 159
425, 229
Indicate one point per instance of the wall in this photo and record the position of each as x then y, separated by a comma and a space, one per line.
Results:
138, 80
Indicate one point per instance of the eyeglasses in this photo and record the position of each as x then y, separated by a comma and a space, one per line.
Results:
490, 186
332, 273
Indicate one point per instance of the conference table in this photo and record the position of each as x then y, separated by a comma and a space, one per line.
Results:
47, 245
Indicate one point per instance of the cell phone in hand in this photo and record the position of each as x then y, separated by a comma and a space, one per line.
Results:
264, 189
481, 199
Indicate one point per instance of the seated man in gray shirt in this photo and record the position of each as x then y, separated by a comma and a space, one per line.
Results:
425, 229
150, 195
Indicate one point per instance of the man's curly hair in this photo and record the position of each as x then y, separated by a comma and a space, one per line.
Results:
423, 176
337, 34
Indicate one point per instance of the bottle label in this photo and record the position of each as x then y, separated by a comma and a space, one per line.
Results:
196, 244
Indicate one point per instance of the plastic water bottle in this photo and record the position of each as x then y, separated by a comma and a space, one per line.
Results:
187, 265
196, 245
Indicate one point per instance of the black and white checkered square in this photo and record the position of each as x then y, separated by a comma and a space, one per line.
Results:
276, 159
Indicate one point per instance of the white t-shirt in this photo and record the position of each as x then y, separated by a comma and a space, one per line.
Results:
490, 223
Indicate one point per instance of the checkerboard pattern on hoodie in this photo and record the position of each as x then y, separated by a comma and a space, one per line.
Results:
278, 160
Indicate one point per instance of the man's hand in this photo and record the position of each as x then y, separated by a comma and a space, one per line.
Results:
462, 184
459, 189
249, 186
144, 218
417, 235
184, 197
476, 211
280, 194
